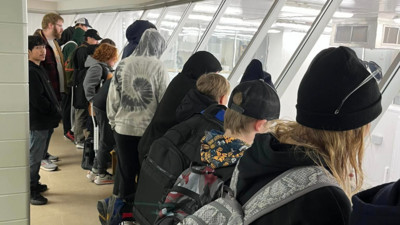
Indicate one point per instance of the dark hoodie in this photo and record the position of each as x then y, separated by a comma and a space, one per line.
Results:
376, 206
134, 33
164, 118
254, 71
193, 102
78, 37
266, 159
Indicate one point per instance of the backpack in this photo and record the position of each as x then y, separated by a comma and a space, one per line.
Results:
283, 189
196, 186
110, 210
69, 66
88, 154
79, 98
169, 156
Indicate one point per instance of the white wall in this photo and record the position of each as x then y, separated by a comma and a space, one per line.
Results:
14, 103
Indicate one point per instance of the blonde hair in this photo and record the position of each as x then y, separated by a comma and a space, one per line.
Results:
340, 151
50, 18
213, 85
105, 52
235, 121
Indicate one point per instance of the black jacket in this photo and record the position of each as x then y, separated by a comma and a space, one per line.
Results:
44, 109
169, 156
268, 158
378, 205
164, 118
193, 102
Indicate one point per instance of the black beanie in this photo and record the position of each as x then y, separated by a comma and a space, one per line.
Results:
331, 76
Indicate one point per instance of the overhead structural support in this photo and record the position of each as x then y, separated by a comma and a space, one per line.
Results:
112, 24
255, 42
211, 26
308, 42
178, 28
389, 87
161, 16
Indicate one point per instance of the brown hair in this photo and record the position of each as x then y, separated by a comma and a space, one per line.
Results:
235, 121
105, 52
213, 85
50, 18
340, 151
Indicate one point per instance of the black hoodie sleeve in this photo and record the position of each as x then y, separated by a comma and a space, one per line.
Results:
37, 95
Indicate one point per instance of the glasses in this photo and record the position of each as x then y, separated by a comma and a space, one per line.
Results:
59, 25
375, 72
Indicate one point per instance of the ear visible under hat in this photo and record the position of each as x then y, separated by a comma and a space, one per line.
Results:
332, 75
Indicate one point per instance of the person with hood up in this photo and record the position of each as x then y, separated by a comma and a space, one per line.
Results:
337, 99
133, 35
199, 63
135, 92
254, 71
376, 206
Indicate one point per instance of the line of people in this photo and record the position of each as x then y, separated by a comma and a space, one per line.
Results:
162, 128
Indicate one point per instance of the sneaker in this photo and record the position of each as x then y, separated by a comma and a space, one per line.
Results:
91, 175
104, 179
79, 145
48, 165
38, 199
70, 136
41, 187
51, 157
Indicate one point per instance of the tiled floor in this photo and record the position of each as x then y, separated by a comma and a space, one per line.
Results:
72, 198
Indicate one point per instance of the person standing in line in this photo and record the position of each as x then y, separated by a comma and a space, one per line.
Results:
52, 27
337, 100
80, 55
68, 33
44, 115
135, 92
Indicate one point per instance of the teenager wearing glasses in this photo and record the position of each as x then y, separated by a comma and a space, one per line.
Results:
337, 100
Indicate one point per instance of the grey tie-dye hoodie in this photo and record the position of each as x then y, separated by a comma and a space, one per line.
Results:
137, 87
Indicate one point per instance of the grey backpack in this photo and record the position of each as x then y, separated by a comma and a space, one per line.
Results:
283, 189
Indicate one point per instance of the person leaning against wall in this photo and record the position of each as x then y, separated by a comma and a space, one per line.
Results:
44, 115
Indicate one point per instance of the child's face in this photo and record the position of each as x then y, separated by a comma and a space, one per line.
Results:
38, 53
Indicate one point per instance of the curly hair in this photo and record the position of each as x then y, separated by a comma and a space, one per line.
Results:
105, 52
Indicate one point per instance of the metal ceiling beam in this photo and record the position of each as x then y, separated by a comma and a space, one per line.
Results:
255, 42
178, 28
389, 87
161, 16
211, 26
308, 42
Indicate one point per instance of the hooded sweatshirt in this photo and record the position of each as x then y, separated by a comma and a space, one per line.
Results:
378, 205
77, 39
193, 102
198, 64
265, 160
133, 35
137, 86
94, 75
254, 71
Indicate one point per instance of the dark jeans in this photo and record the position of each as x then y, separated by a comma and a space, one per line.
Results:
38, 144
106, 141
66, 111
128, 164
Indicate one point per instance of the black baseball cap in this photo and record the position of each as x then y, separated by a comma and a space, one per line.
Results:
83, 21
93, 34
259, 100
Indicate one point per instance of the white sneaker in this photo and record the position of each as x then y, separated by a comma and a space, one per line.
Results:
91, 175
104, 179
48, 165
79, 145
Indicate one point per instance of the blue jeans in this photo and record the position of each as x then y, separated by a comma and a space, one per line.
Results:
38, 144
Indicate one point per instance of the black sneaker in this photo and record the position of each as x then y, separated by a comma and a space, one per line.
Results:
41, 187
38, 199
